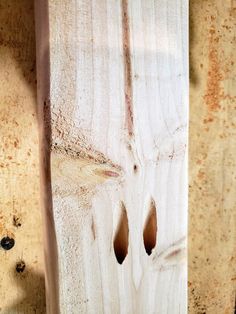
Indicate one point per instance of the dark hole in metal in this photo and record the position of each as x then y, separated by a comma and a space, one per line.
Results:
20, 267
7, 243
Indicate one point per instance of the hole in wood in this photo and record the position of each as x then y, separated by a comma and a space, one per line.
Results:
121, 239
150, 229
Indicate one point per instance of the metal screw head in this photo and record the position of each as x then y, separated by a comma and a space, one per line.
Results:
7, 243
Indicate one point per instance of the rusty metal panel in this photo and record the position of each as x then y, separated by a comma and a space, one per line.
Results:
212, 168
21, 255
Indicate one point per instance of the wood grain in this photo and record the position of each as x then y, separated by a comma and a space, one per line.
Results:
212, 224
117, 93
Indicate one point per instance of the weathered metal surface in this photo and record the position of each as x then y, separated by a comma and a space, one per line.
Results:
21, 276
212, 168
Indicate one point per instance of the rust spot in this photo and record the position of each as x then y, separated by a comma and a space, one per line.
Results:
16, 221
1, 228
201, 175
212, 96
210, 119
128, 88
16, 143
20, 267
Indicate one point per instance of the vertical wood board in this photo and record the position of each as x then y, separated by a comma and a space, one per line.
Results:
117, 90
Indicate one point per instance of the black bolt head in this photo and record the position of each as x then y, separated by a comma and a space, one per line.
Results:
7, 243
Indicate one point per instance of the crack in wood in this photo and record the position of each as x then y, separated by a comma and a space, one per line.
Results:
150, 229
121, 239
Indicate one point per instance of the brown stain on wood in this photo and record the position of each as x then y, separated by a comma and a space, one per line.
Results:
173, 254
106, 173
135, 168
93, 229
128, 88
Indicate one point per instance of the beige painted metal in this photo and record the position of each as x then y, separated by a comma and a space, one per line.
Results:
113, 93
212, 167
21, 275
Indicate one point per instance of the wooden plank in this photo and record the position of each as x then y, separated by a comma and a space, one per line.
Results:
22, 271
212, 228
113, 98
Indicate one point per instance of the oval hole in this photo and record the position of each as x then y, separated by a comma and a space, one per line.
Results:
150, 229
121, 239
